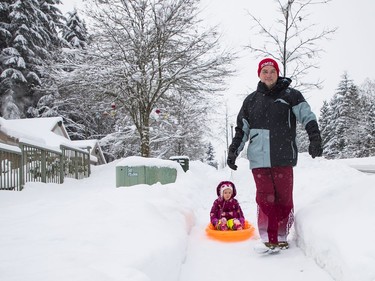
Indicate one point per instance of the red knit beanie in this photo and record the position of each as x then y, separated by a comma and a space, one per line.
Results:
268, 61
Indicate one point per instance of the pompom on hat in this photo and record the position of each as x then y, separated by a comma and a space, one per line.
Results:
266, 62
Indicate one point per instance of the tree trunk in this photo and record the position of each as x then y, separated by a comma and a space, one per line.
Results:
145, 137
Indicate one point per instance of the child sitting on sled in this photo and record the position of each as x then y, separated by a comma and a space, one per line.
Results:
226, 213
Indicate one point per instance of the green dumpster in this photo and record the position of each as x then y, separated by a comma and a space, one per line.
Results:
182, 160
128, 176
145, 171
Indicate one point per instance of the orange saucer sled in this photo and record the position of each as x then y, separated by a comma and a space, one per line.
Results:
230, 235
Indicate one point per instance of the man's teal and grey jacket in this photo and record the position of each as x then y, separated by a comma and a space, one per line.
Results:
267, 119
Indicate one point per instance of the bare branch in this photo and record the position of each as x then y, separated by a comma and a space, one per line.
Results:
298, 50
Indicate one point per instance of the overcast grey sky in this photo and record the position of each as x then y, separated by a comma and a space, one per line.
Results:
351, 50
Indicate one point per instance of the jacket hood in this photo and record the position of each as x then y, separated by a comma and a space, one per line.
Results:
227, 183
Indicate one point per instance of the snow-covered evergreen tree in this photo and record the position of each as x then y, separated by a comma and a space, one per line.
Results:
341, 131
369, 132
75, 32
52, 21
4, 23
323, 125
29, 34
210, 156
81, 112
348, 122
302, 139
366, 137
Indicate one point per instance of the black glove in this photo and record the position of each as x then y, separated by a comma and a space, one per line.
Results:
232, 160
315, 147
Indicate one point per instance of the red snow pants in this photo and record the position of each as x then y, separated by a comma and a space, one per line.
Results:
274, 196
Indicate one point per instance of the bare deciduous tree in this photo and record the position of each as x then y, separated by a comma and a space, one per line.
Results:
293, 41
148, 48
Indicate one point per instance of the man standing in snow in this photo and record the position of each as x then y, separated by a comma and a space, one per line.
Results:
267, 119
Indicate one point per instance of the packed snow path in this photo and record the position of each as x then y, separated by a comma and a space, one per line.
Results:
208, 259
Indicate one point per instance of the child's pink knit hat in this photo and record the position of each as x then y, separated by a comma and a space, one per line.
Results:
224, 187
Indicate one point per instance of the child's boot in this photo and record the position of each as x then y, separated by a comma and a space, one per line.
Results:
237, 225
223, 224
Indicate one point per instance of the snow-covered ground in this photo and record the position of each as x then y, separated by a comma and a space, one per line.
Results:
89, 230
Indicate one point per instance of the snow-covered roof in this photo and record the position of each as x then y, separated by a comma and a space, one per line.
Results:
11, 148
85, 143
36, 130
47, 133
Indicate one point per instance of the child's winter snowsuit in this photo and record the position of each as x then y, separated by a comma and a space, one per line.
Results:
226, 214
